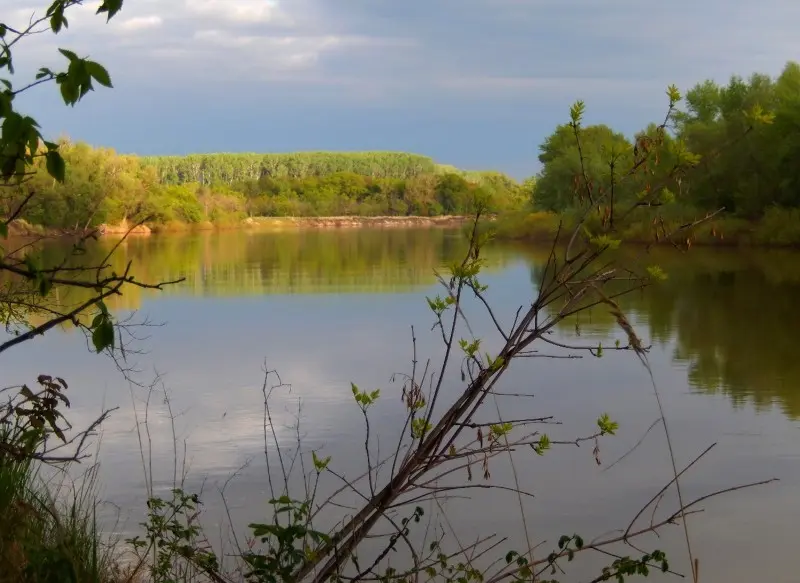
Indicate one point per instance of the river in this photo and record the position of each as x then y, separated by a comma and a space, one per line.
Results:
327, 308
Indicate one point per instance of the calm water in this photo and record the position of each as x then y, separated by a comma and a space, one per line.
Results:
329, 308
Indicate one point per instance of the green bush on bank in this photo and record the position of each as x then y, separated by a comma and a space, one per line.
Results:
742, 145
778, 228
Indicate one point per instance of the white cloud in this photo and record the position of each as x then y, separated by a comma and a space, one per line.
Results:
487, 48
239, 11
141, 22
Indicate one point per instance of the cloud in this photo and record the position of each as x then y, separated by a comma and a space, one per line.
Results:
239, 11
141, 22
500, 46
428, 62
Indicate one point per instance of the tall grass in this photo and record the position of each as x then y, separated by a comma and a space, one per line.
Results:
48, 528
48, 519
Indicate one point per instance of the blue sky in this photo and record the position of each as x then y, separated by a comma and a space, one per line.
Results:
476, 83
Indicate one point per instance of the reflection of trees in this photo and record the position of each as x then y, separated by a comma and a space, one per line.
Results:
253, 263
732, 315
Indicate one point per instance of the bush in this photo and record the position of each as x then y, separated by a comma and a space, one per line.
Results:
779, 227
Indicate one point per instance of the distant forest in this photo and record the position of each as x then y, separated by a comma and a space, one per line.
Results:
753, 172
105, 187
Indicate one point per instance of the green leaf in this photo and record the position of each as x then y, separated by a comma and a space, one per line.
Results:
606, 425
111, 7
69, 54
674, 95
45, 285
656, 273
69, 92
103, 335
85, 88
98, 73
58, 21
56, 166
4, 230
32, 264
576, 112
604, 241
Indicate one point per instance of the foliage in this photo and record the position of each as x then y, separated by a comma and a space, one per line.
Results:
105, 187
172, 538
732, 148
231, 168
439, 435
48, 530
44, 537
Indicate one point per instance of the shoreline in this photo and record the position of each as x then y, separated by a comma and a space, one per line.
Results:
23, 229
349, 222
722, 232
533, 228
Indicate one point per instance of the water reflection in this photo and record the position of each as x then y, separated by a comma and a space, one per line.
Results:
295, 262
330, 307
730, 314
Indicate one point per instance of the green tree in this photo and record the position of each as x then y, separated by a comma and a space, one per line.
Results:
565, 163
24, 154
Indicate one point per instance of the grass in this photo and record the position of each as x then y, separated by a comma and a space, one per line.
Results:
48, 525
48, 529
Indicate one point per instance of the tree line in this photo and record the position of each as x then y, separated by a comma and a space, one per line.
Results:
102, 186
744, 137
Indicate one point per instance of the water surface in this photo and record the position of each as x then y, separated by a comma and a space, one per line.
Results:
327, 308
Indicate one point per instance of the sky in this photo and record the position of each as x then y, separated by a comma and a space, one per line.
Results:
474, 83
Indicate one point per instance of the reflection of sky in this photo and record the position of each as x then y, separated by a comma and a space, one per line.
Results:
212, 351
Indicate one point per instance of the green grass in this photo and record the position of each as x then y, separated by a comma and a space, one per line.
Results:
48, 527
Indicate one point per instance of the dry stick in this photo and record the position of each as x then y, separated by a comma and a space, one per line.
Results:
297, 452
112, 280
530, 420
643, 358
59, 320
616, 556
360, 525
449, 340
435, 562
413, 386
624, 538
19, 208
366, 450
631, 450
398, 531
516, 483
437, 489
227, 507
666, 487
268, 419
641, 354
461, 549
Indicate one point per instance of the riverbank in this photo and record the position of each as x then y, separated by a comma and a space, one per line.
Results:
777, 228
21, 228
345, 222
